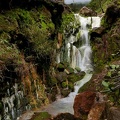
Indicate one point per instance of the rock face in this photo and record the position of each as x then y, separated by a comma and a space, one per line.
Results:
65, 116
105, 40
87, 12
83, 103
114, 113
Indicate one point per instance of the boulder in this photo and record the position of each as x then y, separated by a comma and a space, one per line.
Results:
83, 103
65, 116
87, 12
97, 111
114, 113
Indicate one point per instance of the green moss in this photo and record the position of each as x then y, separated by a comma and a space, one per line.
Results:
8, 52
84, 87
60, 66
64, 84
97, 4
70, 70
71, 86
67, 18
74, 77
42, 116
53, 81
65, 92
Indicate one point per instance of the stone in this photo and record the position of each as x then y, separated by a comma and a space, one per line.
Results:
83, 103
97, 32
65, 116
114, 113
87, 12
96, 111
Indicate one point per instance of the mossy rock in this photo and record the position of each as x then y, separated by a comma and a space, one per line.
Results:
74, 77
71, 86
42, 116
84, 87
78, 69
64, 84
65, 92
61, 76
53, 81
69, 70
60, 67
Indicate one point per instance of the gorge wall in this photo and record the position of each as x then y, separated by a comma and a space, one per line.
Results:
29, 32
31, 35
106, 39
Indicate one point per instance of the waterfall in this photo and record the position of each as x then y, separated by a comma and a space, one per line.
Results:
79, 55
77, 52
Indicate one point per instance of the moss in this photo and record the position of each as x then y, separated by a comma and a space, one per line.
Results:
70, 70
96, 5
74, 77
8, 52
71, 86
53, 81
65, 92
84, 87
60, 67
67, 18
64, 84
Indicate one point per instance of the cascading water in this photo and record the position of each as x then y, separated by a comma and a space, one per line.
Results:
77, 52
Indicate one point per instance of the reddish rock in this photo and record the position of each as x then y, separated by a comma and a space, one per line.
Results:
97, 111
83, 103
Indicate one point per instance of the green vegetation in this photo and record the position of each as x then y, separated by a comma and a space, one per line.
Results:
67, 18
42, 116
111, 84
100, 5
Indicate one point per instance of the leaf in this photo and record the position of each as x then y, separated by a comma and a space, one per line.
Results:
105, 84
109, 74
113, 66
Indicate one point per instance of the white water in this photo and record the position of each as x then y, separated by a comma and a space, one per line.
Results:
66, 104
8, 103
79, 56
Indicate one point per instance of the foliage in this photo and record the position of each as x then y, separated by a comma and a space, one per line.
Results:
111, 84
97, 4
67, 18
9, 53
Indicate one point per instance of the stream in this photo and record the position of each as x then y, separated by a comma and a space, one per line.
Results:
77, 56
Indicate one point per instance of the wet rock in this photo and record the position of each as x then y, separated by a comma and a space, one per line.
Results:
87, 12
61, 76
83, 103
114, 113
65, 116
